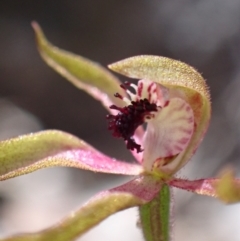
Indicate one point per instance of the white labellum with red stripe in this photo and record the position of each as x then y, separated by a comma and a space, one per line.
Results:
170, 123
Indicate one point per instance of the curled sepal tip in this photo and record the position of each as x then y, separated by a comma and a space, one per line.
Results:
227, 187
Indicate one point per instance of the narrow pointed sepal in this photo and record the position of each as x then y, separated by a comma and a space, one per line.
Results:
83, 73
29, 153
155, 216
77, 223
200, 186
134, 193
226, 188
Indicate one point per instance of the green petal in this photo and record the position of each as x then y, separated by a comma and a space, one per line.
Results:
155, 217
77, 223
164, 70
83, 73
29, 153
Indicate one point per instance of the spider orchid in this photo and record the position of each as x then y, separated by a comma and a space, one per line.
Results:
173, 100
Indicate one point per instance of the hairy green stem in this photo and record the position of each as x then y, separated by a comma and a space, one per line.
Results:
155, 217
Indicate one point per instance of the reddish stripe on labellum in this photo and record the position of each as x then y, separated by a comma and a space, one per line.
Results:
140, 88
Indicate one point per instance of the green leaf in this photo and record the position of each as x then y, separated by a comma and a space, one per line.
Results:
83, 73
77, 223
155, 217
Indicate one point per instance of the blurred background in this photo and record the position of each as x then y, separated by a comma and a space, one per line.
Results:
203, 33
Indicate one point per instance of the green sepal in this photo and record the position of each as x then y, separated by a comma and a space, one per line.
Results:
85, 74
79, 222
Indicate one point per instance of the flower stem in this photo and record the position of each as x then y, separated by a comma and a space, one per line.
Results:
155, 217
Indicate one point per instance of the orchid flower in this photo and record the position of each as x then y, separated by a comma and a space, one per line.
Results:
173, 100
